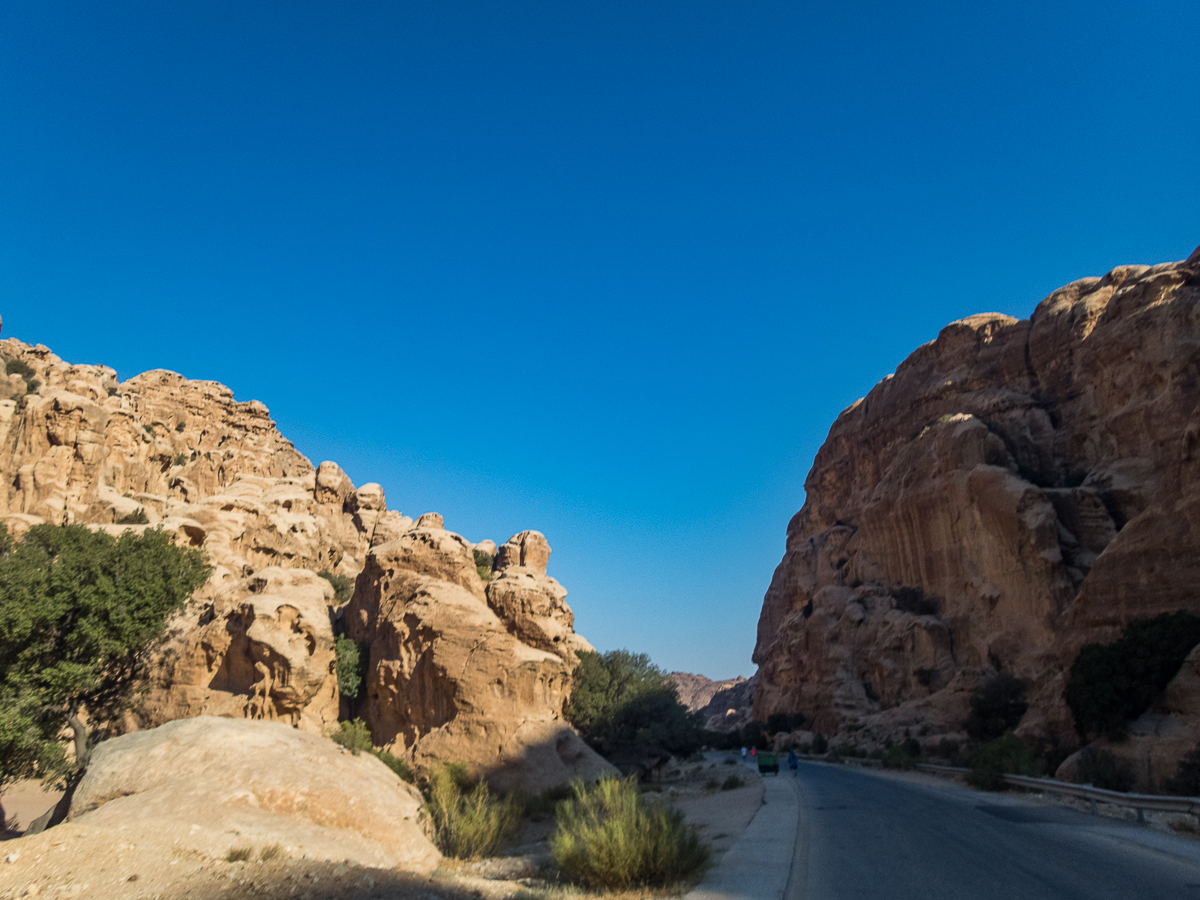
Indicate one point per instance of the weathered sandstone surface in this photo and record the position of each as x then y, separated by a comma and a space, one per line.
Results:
456, 676
159, 813
1017, 489
78, 446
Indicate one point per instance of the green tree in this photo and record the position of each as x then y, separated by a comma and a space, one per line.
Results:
1112, 684
80, 615
350, 666
997, 706
624, 705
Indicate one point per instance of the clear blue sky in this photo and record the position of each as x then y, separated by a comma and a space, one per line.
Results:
604, 269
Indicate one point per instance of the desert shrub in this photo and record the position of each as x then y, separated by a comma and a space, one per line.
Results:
238, 854
610, 836
623, 705
397, 764
354, 735
1112, 684
180, 427
270, 852
1187, 776
349, 667
732, 783
820, 744
483, 564
948, 749
468, 821
711, 784
904, 755
32, 385
1006, 755
1104, 769
138, 517
19, 367
542, 806
996, 707
343, 585
777, 722
181, 459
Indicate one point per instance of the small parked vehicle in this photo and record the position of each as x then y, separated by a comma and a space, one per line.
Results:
768, 762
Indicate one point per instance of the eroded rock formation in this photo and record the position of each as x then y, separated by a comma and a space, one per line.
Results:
725, 705
450, 679
201, 786
160, 450
1017, 489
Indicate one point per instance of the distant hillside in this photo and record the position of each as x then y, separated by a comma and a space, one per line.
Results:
725, 705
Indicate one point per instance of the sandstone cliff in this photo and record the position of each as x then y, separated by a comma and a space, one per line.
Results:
725, 705
1017, 489
163, 451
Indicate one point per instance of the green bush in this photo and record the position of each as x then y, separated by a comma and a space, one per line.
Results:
624, 706
610, 837
398, 765
19, 367
542, 806
483, 564
354, 735
343, 585
134, 518
754, 735
181, 459
904, 755
1187, 777
1112, 684
1104, 769
820, 744
349, 667
732, 783
996, 707
32, 385
468, 822
1006, 755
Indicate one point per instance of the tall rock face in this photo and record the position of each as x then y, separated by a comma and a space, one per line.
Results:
1017, 489
725, 705
163, 451
455, 677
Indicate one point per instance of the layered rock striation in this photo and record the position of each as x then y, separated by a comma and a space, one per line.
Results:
163, 451
1017, 489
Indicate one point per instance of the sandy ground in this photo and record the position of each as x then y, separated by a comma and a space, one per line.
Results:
24, 801
76, 861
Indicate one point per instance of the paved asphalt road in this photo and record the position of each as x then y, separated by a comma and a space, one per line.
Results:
863, 836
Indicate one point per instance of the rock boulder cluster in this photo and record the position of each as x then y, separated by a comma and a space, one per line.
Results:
456, 670
1016, 490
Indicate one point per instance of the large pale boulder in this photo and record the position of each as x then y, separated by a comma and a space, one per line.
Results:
446, 678
1017, 489
206, 785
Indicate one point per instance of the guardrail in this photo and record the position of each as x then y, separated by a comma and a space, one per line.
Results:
1140, 802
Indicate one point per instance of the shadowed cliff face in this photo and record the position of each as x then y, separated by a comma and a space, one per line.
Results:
1017, 489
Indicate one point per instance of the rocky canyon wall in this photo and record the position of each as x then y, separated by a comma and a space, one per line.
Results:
456, 670
1016, 490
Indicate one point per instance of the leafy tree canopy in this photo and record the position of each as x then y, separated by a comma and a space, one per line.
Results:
1112, 684
80, 613
997, 706
624, 705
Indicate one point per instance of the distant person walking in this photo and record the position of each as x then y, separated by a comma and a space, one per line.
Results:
793, 762
743, 756
754, 754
